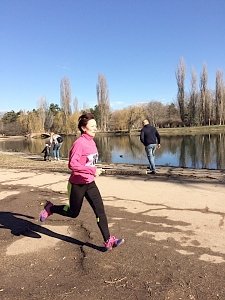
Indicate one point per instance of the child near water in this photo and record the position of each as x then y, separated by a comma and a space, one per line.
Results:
46, 151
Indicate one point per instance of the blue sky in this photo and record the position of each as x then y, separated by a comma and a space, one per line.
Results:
137, 45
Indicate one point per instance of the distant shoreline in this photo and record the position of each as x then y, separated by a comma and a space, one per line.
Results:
174, 131
163, 131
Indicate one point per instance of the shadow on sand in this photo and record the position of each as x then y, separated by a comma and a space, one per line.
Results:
18, 225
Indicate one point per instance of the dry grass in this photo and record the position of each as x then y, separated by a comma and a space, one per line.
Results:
32, 162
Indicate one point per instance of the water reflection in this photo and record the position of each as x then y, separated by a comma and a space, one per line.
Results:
194, 151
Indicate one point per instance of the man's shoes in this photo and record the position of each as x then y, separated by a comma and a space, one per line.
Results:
112, 243
151, 172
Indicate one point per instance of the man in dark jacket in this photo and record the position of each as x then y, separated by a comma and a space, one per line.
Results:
151, 139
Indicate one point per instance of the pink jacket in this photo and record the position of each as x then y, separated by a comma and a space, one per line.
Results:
82, 159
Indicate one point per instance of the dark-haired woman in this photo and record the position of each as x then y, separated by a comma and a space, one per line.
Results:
82, 159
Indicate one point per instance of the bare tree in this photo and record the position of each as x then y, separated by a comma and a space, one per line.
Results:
204, 100
74, 117
156, 112
223, 104
118, 120
211, 102
23, 120
75, 105
49, 120
192, 111
219, 98
133, 115
103, 102
65, 99
34, 122
180, 77
42, 112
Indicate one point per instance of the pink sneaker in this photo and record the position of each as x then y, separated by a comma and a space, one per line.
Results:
113, 242
46, 212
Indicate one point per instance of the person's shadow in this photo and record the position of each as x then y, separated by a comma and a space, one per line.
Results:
20, 226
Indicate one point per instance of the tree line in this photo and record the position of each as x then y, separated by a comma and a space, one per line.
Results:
199, 106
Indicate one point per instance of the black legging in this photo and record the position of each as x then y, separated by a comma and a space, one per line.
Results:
77, 192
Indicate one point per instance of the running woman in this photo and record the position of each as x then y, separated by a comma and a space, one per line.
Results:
82, 159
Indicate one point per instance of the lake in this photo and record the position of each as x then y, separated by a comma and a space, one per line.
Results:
191, 151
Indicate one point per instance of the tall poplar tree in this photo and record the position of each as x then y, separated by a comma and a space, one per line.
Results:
219, 98
103, 102
65, 100
180, 77
204, 99
192, 112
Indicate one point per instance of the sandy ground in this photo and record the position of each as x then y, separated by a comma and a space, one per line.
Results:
200, 206
173, 227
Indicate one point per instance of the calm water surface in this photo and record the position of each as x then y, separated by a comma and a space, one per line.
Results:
194, 151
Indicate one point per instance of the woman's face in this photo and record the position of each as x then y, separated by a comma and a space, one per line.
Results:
90, 128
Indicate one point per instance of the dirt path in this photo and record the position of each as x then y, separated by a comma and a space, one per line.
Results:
173, 227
